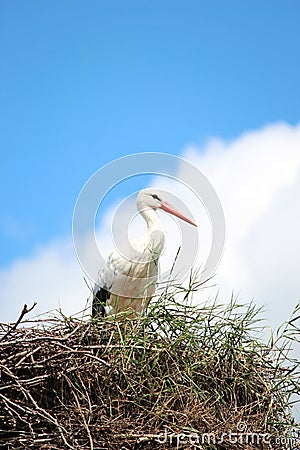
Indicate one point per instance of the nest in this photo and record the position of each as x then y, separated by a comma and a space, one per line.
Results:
179, 377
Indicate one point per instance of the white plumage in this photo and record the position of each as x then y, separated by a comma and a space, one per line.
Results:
129, 282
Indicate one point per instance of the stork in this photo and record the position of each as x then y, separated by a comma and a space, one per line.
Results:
128, 283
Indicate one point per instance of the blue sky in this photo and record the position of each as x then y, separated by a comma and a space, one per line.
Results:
83, 83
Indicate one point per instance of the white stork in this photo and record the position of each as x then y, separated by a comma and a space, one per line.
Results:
129, 283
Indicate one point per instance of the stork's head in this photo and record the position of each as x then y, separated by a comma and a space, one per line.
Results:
152, 199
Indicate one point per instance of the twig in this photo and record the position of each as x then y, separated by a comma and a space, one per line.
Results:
24, 311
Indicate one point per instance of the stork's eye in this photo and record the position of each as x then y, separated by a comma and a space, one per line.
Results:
155, 197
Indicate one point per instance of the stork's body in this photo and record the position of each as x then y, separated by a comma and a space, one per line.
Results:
129, 283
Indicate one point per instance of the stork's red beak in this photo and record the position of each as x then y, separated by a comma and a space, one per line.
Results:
169, 209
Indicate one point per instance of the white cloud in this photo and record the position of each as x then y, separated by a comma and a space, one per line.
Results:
257, 178
51, 276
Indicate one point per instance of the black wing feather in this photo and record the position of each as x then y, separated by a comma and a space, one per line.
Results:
99, 302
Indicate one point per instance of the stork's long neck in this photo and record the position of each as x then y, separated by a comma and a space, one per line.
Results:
155, 230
